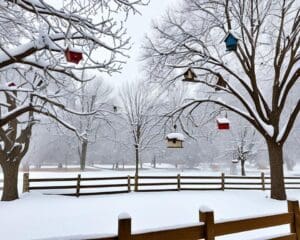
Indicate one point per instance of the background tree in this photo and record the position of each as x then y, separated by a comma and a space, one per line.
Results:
259, 75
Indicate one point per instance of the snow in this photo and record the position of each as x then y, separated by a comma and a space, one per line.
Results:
177, 136
222, 120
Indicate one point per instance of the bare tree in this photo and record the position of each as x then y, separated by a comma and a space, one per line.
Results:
142, 105
258, 73
37, 43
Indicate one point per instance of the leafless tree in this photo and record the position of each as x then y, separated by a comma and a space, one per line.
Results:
35, 38
258, 76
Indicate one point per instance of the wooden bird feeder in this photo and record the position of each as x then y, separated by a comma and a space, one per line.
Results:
223, 123
231, 42
175, 140
221, 83
189, 76
73, 56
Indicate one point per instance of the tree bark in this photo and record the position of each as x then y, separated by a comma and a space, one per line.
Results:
243, 172
136, 166
10, 186
83, 155
276, 167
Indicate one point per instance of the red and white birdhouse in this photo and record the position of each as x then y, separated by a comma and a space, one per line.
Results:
223, 123
73, 56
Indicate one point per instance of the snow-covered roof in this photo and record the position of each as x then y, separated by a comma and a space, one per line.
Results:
222, 120
233, 33
176, 136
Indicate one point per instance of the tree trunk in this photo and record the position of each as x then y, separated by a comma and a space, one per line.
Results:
243, 171
10, 185
136, 167
276, 166
83, 155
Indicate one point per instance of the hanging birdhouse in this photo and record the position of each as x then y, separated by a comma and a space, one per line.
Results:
189, 76
223, 123
221, 83
231, 42
73, 56
175, 140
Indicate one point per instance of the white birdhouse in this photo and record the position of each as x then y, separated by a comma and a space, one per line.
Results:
175, 140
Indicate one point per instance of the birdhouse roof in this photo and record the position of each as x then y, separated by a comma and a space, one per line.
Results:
191, 70
230, 33
175, 136
222, 120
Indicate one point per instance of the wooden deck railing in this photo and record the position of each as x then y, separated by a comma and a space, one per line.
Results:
78, 186
208, 229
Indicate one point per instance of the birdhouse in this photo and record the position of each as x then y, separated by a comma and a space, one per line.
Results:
115, 108
223, 123
231, 42
221, 83
175, 140
73, 56
189, 76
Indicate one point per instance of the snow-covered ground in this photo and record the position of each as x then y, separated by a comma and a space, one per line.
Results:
37, 216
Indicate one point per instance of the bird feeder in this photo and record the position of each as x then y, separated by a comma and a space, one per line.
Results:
231, 42
221, 83
73, 56
223, 123
189, 76
175, 140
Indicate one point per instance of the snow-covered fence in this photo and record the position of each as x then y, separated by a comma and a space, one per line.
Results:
78, 186
209, 229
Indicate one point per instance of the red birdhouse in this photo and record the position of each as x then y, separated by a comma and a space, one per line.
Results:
223, 123
73, 56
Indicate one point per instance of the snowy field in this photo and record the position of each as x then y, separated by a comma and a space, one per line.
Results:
37, 216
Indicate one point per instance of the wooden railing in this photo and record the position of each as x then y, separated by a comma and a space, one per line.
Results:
208, 229
78, 186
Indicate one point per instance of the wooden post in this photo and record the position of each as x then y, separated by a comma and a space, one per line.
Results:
78, 185
223, 181
124, 227
128, 183
263, 184
178, 183
26, 182
136, 183
293, 207
207, 217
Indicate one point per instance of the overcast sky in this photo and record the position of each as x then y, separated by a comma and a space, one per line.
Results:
138, 26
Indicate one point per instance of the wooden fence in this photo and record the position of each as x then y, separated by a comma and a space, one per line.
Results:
79, 186
208, 229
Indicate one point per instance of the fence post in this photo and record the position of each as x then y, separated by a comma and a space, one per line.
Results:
124, 227
263, 181
178, 183
26, 182
136, 183
128, 183
223, 181
207, 217
78, 185
293, 207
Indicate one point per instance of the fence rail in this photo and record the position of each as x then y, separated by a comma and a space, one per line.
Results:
208, 229
109, 185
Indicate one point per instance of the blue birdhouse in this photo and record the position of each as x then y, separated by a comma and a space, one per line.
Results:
231, 42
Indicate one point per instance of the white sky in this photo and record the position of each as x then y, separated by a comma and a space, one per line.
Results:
137, 27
